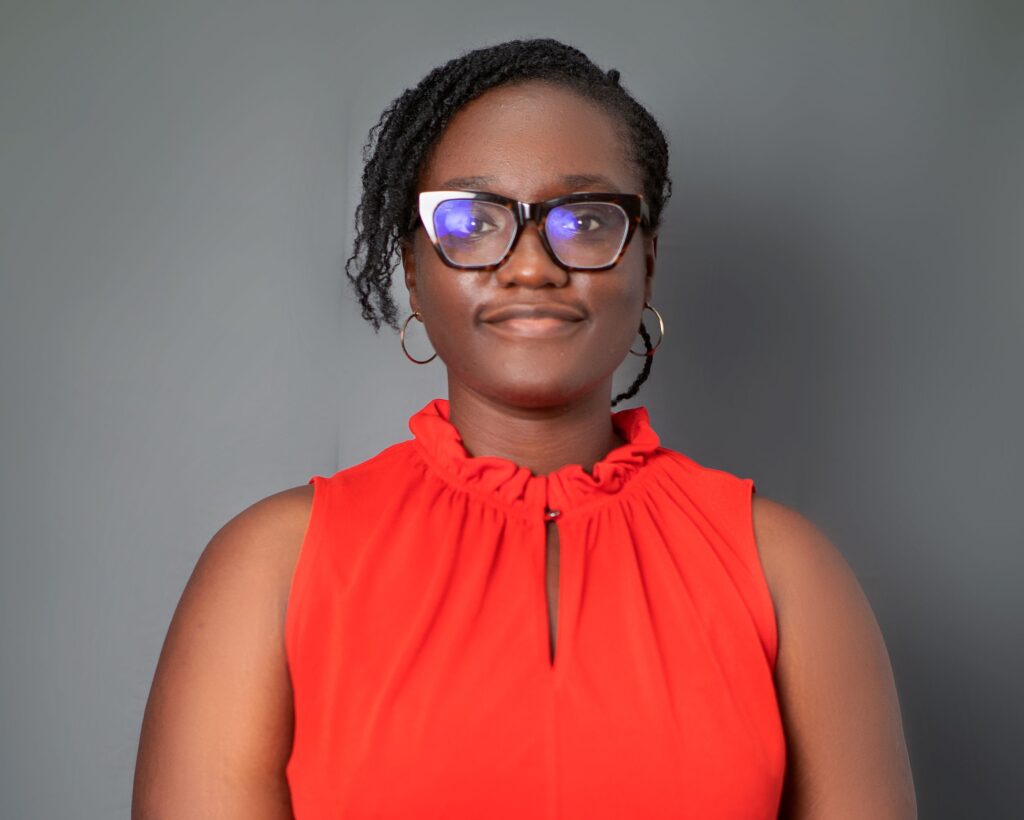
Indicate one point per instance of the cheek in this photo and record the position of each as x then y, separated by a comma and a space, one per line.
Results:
622, 330
447, 299
617, 303
434, 282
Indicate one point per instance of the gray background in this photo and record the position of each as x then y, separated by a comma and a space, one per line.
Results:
840, 271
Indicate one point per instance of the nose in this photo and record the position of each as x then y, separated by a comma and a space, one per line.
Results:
529, 265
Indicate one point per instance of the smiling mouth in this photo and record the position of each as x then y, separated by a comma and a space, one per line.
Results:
535, 327
533, 320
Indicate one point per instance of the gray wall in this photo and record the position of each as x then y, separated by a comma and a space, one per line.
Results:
841, 273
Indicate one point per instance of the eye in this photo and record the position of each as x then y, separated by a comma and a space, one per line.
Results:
463, 219
587, 222
580, 221
565, 222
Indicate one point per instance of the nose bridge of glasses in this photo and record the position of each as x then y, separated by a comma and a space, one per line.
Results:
530, 257
530, 226
527, 213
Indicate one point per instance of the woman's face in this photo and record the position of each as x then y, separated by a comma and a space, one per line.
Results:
531, 142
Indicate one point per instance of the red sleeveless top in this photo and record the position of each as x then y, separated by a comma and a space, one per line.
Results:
417, 639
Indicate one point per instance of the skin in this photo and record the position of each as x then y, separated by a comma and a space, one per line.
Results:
216, 734
517, 392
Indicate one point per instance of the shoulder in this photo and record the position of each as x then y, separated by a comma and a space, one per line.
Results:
812, 585
837, 694
794, 551
222, 662
262, 541
268, 526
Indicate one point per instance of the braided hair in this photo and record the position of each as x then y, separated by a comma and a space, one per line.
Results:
400, 142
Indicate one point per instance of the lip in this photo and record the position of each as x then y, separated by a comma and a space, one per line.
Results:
547, 311
534, 321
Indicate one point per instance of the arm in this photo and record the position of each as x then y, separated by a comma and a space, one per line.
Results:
217, 730
847, 757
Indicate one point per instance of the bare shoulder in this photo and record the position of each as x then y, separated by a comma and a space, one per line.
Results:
847, 756
265, 537
793, 550
217, 730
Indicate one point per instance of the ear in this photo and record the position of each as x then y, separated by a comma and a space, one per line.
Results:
409, 266
650, 260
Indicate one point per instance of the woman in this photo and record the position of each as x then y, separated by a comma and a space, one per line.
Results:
530, 609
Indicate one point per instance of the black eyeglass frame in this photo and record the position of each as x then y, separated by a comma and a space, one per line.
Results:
634, 206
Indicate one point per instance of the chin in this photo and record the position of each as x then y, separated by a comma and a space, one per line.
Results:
537, 393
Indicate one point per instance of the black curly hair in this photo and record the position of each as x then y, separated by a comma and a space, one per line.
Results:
401, 141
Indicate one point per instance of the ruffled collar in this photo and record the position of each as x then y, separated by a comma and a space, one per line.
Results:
508, 484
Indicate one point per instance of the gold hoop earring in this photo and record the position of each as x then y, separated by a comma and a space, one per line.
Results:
401, 337
661, 330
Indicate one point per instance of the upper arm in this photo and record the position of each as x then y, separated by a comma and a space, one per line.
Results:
846, 754
217, 730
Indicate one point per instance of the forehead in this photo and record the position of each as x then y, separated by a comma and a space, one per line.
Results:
531, 141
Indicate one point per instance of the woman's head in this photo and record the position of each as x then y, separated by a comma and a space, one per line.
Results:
528, 120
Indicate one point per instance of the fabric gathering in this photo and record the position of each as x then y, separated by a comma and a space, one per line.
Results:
417, 638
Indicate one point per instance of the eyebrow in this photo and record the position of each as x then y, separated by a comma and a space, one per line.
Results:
574, 181
465, 182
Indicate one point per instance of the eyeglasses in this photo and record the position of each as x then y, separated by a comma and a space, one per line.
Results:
477, 230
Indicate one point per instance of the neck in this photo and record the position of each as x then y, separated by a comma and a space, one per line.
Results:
540, 439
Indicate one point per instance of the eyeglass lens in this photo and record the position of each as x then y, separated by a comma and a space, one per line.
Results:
475, 232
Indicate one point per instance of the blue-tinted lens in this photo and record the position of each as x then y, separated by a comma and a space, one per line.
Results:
587, 234
459, 219
562, 224
473, 232
586, 220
